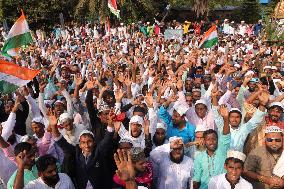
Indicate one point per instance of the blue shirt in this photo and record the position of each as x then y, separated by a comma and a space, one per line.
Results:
205, 166
239, 135
187, 133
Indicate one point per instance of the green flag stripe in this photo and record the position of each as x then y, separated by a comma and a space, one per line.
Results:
17, 41
209, 43
6, 87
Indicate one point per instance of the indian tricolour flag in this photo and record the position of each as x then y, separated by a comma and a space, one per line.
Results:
18, 36
113, 8
210, 38
13, 76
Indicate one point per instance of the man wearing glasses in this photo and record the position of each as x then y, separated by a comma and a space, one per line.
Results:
261, 161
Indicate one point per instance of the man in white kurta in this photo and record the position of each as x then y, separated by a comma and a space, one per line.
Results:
234, 166
173, 169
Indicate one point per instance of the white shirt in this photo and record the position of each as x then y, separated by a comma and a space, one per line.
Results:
171, 175
64, 183
220, 182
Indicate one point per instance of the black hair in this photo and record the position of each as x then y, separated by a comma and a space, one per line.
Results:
22, 146
139, 109
210, 131
43, 162
235, 160
235, 111
263, 81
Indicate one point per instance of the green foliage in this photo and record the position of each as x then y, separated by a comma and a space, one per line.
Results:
250, 11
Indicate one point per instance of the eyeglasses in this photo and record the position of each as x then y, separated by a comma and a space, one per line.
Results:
274, 139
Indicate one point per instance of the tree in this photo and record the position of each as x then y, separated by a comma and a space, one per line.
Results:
250, 11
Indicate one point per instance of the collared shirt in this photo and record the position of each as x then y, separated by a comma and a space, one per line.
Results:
261, 162
187, 133
239, 135
64, 183
220, 182
168, 174
29, 175
206, 166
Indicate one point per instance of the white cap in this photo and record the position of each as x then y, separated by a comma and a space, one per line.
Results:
181, 108
279, 104
242, 21
201, 101
171, 139
137, 119
200, 128
86, 132
236, 154
161, 126
38, 120
273, 67
64, 117
273, 129
235, 109
126, 139
250, 72
103, 107
237, 66
266, 67
226, 20
26, 138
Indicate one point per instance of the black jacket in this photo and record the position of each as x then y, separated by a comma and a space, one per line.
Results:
75, 165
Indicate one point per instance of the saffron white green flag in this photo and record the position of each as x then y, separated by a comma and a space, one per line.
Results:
113, 8
13, 76
210, 38
18, 36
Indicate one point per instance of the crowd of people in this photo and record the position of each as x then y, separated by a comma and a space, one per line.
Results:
122, 107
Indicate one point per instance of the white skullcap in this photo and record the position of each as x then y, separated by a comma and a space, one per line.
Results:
237, 66
137, 119
26, 138
103, 107
273, 129
273, 67
200, 128
242, 21
126, 139
236, 154
180, 108
250, 72
161, 126
279, 104
64, 117
266, 67
201, 101
38, 120
86, 132
174, 138
235, 109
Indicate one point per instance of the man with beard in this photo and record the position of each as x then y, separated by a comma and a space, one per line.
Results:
171, 167
256, 138
25, 158
210, 162
48, 175
234, 166
262, 160
176, 124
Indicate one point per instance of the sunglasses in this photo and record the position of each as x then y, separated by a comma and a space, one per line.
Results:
274, 139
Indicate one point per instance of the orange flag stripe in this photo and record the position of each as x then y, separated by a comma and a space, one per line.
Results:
17, 71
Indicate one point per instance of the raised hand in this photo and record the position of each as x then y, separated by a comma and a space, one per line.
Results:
223, 110
180, 85
124, 165
52, 119
42, 86
146, 126
119, 94
90, 84
21, 159
214, 92
78, 79
149, 100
